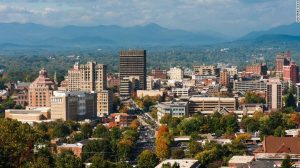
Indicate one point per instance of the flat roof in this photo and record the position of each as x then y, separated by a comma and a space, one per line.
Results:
241, 159
183, 163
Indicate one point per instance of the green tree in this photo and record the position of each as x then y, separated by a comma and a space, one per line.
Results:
67, 159
147, 159
101, 132
279, 132
194, 148
16, 143
101, 147
60, 130
290, 101
287, 162
86, 130
177, 154
98, 162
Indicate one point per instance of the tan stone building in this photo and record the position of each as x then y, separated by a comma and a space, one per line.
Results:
104, 103
29, 115
41, 90
91, 77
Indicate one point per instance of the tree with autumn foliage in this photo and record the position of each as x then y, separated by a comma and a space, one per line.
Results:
134, 124
163, 140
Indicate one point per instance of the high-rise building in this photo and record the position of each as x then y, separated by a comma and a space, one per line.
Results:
274, 94
291, 72
41, 90
298, 96
282, 59
133, 63
224, 78
93, 77
74, 78
125, 87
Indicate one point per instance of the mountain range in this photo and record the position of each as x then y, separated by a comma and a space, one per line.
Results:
36, 35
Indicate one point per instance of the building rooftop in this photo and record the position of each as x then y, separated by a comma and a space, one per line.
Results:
183, 163
241, 159
289, 145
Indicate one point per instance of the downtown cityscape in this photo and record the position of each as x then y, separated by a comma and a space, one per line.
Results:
74, 94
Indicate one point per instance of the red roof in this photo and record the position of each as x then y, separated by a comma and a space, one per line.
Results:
289, 145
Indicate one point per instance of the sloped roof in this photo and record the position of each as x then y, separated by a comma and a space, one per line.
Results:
289, 145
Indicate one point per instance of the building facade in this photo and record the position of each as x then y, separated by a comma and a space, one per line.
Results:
133, 63
175, 109
274, 94
41, 90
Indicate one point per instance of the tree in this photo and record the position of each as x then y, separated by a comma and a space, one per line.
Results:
67, 159
60, 130
287, 162
16, 143
147, 159
100, 147
40, 162
279, 132
290, 101
98, 162
134, 124
194, 148
125, 146
251, 97
101, 132
165, 119
162, 148
178, 154
86, 130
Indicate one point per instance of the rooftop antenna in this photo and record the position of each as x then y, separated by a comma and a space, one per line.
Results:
298, 11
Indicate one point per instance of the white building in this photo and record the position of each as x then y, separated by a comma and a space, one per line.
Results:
184, 163
181, 92
274, 94
175, 74
175, 109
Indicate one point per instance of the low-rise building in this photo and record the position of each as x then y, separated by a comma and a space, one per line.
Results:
184, 163
198, 104
122, 119
75, 148
181, 92
244, 86
73, 105
175, 109
29, 116
151, 93
240, 161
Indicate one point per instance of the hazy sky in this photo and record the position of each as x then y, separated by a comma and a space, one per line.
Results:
232, 17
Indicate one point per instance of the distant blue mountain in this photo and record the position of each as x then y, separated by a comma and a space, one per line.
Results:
289, 30
31, 34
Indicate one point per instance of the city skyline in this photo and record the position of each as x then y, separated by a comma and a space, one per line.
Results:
230, 17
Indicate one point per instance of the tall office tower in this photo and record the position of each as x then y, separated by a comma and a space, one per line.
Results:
224, 78
282, 59
74, 78
41, 90
133, 63
93, 77
291, 72
274, 94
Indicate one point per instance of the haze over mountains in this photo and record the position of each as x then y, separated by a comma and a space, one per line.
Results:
35, 35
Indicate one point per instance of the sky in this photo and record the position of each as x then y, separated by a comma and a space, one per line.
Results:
230, 17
